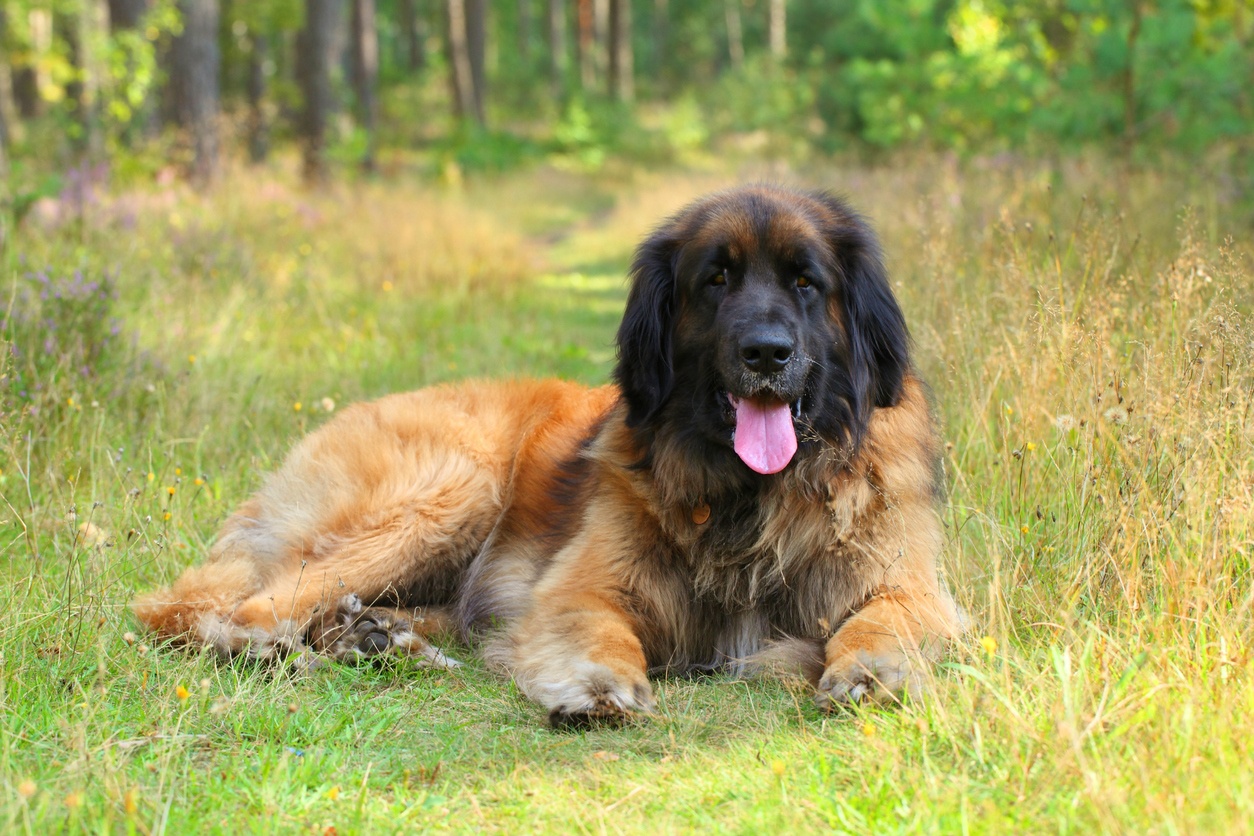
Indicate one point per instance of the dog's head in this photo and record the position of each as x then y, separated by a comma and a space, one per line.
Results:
761, 318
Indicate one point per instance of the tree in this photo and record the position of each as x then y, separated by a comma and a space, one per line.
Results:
735, 33
466, 27
621, 79
555, 34
413, 35
776, 29
314, 47
194, 67
364, 50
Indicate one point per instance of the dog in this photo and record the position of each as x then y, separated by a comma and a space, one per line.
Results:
758, 487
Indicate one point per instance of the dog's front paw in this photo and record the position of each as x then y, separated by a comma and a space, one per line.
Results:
595, 695
870, 675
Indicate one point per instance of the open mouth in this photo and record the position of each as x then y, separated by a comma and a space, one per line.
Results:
765, 437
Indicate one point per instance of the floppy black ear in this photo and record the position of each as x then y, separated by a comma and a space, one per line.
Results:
646, 370
879, 341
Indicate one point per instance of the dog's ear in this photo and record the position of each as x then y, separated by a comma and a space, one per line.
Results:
879, 341
646, 368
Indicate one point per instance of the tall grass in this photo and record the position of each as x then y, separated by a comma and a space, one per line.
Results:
1086, 332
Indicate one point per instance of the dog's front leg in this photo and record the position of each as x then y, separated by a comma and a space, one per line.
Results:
885, 649
578, 655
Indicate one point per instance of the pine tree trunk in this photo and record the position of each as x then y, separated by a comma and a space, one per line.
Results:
524, 31
258, 123
585, 43
777, 29
414, 36
194, 68
477, 49
126, 14
735, 33
555, 35
621, 73
314, 57
460, 77
365, 75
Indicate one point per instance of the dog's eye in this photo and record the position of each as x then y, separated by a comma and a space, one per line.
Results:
719, 279
804, 281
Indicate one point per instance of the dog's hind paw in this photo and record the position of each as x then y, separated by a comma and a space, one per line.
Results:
360, 633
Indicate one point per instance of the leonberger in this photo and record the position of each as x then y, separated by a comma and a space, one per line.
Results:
759, 486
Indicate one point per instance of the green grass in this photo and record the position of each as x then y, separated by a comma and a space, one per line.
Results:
1088, 340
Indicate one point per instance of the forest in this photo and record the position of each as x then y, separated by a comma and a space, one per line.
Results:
224, 221
477, 85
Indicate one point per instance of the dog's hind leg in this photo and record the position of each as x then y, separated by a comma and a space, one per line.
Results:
404, 543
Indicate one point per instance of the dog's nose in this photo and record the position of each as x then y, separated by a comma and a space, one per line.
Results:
766, 351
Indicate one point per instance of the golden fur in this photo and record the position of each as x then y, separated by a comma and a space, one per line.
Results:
604, 546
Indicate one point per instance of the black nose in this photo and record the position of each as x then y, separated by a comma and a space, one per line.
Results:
766, 351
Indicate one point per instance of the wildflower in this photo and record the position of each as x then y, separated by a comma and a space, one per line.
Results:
166, 516
191, 358
182, 693
170, 490
989, 644
1116, 415
198, 482
1065, 423
296, 406
1023, 529
777, 766
151, 476
1010, 410
178, 471
131, 801
868, 730
74, 800
387, 287
1031, 445
27, 788
333, 793
328, 405
129, 637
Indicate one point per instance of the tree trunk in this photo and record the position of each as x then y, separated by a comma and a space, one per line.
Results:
126, 14
622, 85
555, 35
81, 37
315, 45
414, 36
735, 33
524, 31
461, 78
30, 77
365, 65
195, 64
258, 123
1129, 81
477, 49
5, 128
586, 44
661, 33
777, 29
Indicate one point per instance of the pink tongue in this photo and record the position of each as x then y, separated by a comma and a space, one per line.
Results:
765, 437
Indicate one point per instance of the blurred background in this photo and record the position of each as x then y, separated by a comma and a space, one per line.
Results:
449, 87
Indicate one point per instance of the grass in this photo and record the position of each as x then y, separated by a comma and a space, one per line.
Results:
1087, 335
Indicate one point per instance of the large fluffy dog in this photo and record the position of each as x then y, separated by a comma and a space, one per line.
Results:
761, 484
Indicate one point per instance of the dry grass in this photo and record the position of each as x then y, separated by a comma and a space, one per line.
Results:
1087, 335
